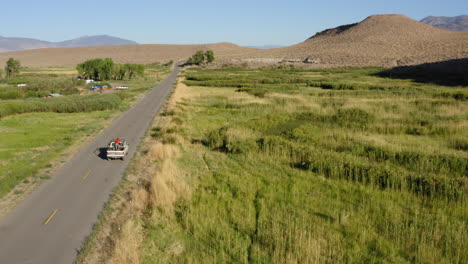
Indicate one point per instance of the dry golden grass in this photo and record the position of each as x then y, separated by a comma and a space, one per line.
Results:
167, 186
65, 71
140, 200
181, 92
159, 151
127, 246
176, 248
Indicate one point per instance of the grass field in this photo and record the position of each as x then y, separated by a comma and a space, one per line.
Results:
303, 166
32, 141
37, 130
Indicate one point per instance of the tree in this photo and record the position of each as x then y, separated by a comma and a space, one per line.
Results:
100, 69
201, 57
198, 57
106, 68
209, 56
12, 67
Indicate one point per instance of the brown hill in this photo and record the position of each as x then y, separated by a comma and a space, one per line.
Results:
388, 40
70, 57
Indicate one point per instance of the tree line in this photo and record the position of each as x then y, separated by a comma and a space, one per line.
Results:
106, 69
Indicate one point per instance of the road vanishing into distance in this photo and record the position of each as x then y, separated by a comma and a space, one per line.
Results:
52, 223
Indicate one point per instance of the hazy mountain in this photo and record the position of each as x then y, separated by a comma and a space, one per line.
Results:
458, 23
14, 44
265, 47
100, 40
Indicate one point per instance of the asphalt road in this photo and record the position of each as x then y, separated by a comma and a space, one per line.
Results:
52, 223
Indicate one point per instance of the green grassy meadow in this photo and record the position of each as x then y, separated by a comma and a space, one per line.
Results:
33, 140
313, 166
36, 130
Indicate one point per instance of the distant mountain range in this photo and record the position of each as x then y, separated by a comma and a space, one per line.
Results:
458, 23
14, 44
265, 47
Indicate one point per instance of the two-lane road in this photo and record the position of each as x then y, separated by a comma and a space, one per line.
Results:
52, 223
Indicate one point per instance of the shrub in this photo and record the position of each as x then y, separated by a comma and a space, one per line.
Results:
459, 144
168, 113
258, 92
344, 86
352, 117
177, 120
157, 133
209, 56
168, 63
123, 95
217, 139
169, 140
5, 95
459, 96
417, 131
224, 141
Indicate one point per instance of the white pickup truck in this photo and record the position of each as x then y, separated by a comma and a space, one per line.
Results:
117, 150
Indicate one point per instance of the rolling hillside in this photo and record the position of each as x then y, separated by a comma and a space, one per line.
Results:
387, 40
70, 57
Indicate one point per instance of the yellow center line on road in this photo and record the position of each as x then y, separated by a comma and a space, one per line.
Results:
50, 217
87, 174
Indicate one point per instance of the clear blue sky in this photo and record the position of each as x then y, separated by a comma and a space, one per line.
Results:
254, 22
